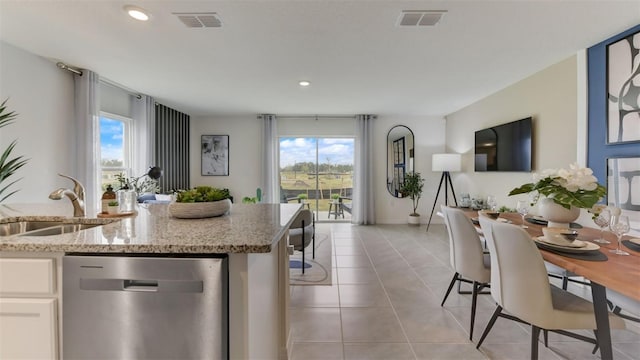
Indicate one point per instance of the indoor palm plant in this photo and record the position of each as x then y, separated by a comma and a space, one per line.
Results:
8, 165
412, 187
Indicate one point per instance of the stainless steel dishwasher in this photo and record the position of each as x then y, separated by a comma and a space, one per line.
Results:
117, 307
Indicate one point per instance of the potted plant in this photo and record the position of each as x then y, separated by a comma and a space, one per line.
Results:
112, 207
201, 202
566, 191
412, 188
302, 197
335, 197
8, 166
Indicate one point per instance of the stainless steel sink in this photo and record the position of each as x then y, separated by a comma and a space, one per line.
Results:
60, 229
20, 227
55, 226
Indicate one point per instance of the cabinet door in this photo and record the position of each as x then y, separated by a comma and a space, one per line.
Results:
28, 329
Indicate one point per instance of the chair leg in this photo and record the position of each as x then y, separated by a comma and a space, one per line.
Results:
474, 300
535, 334
489, 325
313, 238
545, 333
596, 347
303, 247
453, 281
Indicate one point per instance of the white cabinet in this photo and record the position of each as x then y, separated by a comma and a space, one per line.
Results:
29, 307
28, 328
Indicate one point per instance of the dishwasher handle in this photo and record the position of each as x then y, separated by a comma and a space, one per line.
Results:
140, 285
173, 286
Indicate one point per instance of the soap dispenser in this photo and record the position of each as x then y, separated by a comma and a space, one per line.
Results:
107, 197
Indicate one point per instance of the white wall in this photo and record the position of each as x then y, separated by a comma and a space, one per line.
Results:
429, 139
551, 97
245, 149
42, 95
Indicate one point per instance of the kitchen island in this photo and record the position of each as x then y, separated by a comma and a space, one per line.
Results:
253, 236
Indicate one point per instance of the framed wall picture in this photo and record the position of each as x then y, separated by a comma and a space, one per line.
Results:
623, 90
215, 155
623, 188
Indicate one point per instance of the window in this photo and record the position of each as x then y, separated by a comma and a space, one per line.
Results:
318, 171
115, 149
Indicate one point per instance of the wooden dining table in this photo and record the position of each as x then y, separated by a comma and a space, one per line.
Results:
619, 272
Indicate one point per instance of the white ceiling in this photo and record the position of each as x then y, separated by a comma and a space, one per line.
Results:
357, 59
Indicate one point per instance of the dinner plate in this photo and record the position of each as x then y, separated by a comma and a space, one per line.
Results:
545, 245
573, 244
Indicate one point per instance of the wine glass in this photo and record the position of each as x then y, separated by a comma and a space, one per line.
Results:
602, 220
619, 225
492, 203
522, 206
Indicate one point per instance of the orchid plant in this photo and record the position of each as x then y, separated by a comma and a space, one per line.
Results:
575, 186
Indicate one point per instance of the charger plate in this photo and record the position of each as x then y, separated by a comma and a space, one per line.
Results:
589, 247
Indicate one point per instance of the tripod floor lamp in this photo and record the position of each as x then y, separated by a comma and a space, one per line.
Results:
445, 163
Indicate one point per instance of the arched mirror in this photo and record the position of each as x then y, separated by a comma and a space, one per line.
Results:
400, 160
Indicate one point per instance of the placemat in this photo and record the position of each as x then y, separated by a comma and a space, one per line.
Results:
587, 256
630, 245
544, 222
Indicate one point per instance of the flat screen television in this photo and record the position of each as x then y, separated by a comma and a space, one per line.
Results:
505, 147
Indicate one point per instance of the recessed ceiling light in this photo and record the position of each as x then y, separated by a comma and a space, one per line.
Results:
304, 83
136, 12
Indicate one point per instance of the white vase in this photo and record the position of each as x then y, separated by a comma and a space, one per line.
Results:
557, 215
414, 220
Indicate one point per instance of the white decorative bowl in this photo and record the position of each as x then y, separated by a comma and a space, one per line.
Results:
199, 210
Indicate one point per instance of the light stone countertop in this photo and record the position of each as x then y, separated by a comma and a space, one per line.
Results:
249, 228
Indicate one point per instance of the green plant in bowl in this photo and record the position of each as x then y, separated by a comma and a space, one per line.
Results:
202, 194
113, 203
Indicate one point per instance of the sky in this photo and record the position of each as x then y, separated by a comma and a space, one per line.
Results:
336, 150
111, 133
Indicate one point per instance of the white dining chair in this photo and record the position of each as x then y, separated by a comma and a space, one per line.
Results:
553, 270
302, 233
466, 255
521, 289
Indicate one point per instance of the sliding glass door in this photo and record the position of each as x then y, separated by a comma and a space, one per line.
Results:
319, 173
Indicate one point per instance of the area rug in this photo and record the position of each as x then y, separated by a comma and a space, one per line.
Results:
317, 271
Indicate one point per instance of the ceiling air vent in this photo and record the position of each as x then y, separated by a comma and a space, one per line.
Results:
420, 17
200, 20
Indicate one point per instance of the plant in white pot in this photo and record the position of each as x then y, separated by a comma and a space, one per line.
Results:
566, 191
412, 188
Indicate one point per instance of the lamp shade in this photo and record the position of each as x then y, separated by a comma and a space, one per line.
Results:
446, 162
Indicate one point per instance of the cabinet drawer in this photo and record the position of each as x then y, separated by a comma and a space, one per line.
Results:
28, 328
27, 276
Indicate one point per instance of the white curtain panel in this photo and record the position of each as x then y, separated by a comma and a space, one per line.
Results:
270, 166
87, 111
144, 120
363, 203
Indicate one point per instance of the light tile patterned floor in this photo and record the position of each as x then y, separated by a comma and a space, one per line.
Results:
385, 304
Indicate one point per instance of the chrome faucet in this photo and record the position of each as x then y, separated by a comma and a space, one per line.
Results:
76, 196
